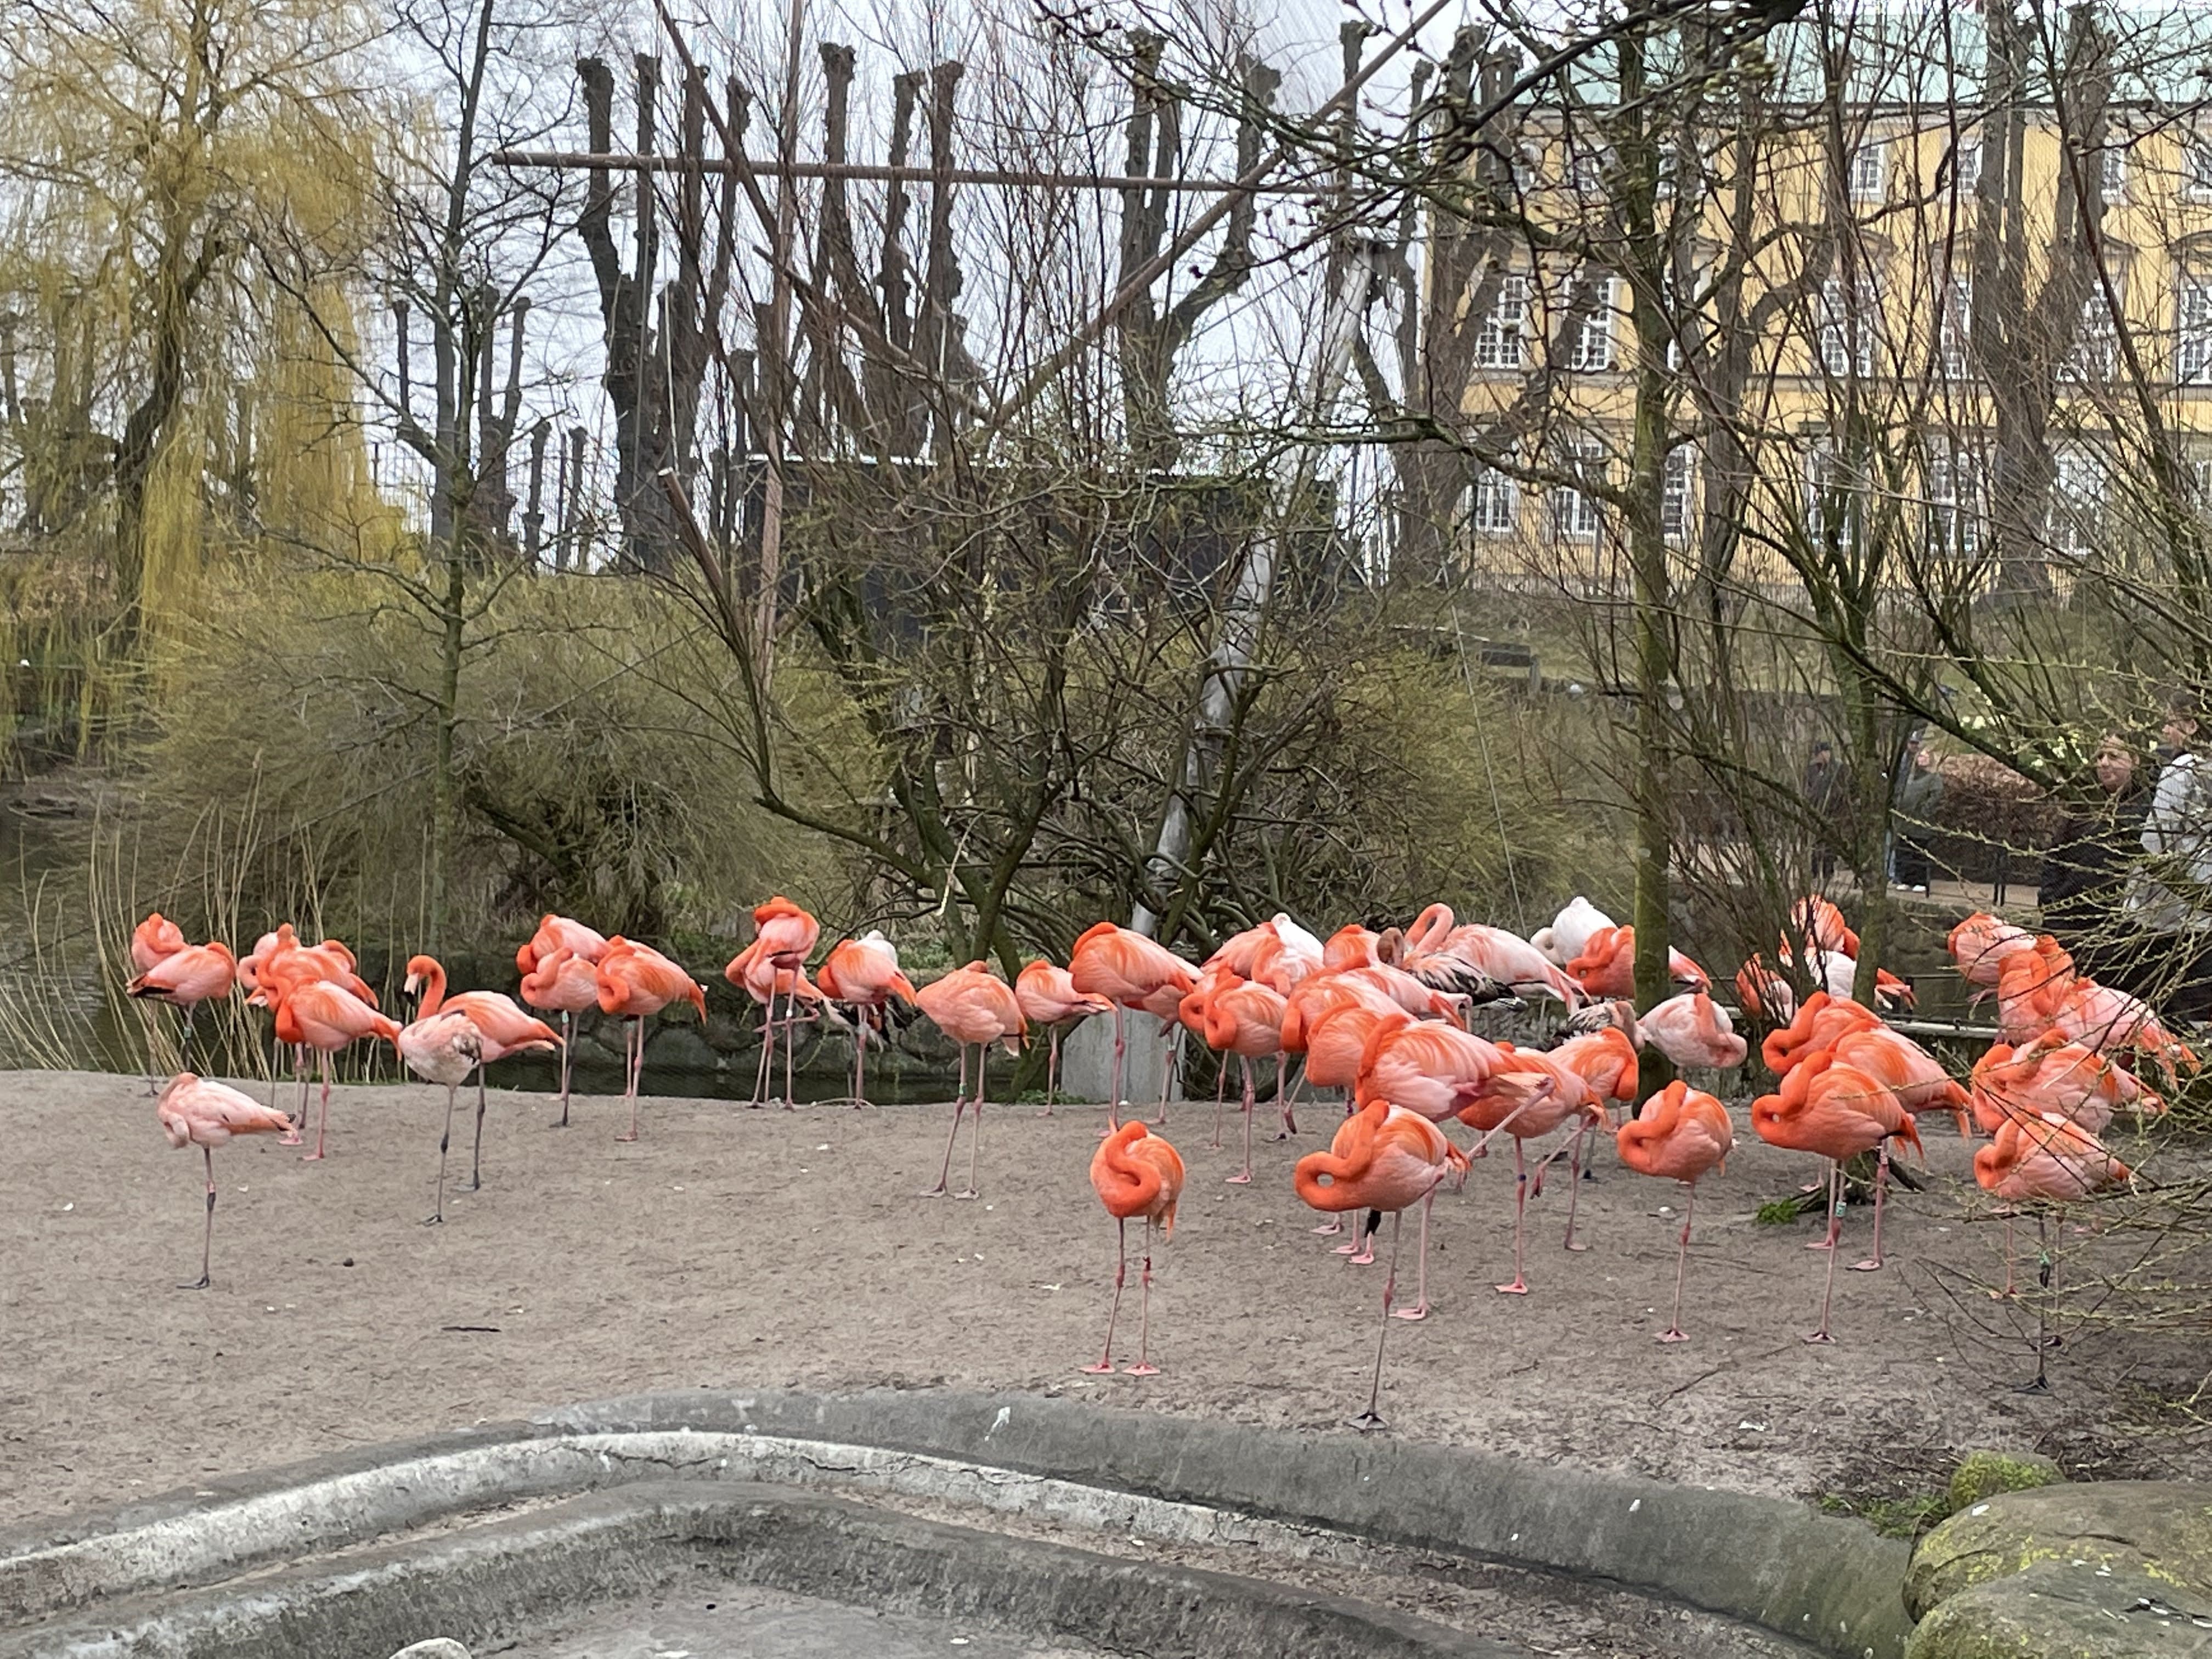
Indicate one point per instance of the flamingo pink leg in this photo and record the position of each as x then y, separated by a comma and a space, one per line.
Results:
960, 1105
1519, 1286
1105, 1365
1171, 1034
1420, 1308
1835, 1226
207, 1239
437, 1216
1872, 1263
763, 1073
1245, 1179
1362, 1250
1369, 1418
1286, 1103
1575, 1183
1674, 1333
476, 1158
323, 1123
568, 1048
633, 1069
1051, 1073
1220, 1095
1143, 1367
975, 1128
1113, 1094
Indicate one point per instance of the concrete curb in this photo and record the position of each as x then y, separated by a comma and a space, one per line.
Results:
498, 1581
1830, 1583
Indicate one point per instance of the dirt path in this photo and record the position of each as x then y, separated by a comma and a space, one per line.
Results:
736, 1247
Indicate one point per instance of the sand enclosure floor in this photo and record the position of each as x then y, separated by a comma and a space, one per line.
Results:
731, 1247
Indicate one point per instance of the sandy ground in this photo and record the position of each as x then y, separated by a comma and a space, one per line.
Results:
734, 1247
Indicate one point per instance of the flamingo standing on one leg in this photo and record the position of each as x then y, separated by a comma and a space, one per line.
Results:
1680, 1134
1831, 1108
195, 1112
636, 982
502, 1027
323, 1015
559, 933
153, 938
1130, 971
971, 1004
442, 1049
787, 937
756, 974
563, 982
1527, 1097
1247, 1020
280, 963
185, 979
865, 972
1050, 1000
1135, 1173
1385, 1159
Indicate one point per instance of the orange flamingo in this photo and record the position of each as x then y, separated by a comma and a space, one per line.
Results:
1050, 1000
1247, 1020
561, 982
503, 1029
281, 958
759, 978
1819, 1021
556, 934
1130, 971
195, 1112
1680, 1134
1384, 1157
636, 982
1135, 1173
1908, 1071
1529, 1096
1820, 925
1838, 1111
1349, 946
1979, 945
1607, 966
2043, 1156
1763, 994
864, 972
971, 1004
774, 963
442, 1049
153, 938
322, 1015
185, 979
2052, 1075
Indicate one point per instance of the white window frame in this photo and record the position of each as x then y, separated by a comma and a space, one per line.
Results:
2112, 170
1966, 165
1501, 341
1866, 171
1822, 469
1578, 515
2095, 357
2197, 167
1678, 484
1592, 350
1836, 322
2192, 329
1954, 327
1954, 499
1494, 503
2077, 483
2200, 475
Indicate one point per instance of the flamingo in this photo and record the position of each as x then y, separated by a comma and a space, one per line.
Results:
1819, 1021
322, 1015
185, 979
756, 974
1130, 971
785, 937
1607, 966
1384, 1157
636, 982
1336, 1043
1763, 994
1190, 1020
281, 960
561, 982
1528, 1096
195, 1112
503, 1029
559, 933
1568, 935
1349, 946
2043, 1156
153, 938
1678, 1134
865, 972
2053, 1075
1135, 1173
971, 1004
1820, 925
1286, 956
1908, 1071
1247, 1020
1838, 1111
1049, 999
1979, 945
443, 1049
1504, 956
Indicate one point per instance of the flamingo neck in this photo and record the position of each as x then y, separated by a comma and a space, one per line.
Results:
434, 989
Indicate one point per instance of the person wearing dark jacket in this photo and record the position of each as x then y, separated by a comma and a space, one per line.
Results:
2086, 873
1919, 798
1824, 794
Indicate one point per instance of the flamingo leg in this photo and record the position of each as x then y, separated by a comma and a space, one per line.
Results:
476, 1158
1835, 1226
322, 1124
1827, 1241
860, 1055
960, 1105
298, 1076
1674, 1333
1299, 1082
1245, 1179
1220, 1096
1420, 1308
1172, 1066
184, 1041
763, 1073
1051, 1071
1519, 1283
1114, 1093
437, 1217
975, 1128
633, 1066
1105, 1365
1143, 1367
567, 1025
1369, 1418
790, 1038
1362, 1248
206, 1238
1575, 1181
1872, 1263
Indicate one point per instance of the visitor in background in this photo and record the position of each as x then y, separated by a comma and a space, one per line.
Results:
2084, 886
1919, 799
1824, 795
2172, 897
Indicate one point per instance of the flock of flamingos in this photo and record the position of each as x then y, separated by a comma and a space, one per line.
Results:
1381, 1016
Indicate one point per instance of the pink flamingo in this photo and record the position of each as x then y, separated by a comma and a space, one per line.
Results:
1049, 999
195, 1112
1247, 1020
636, 982
971, 1004
1529, 1096
503, 1029
1135, 1173
1130, 971
322, 1015
185, 979
1680, 1134
865, 972
442, 1049
561, 982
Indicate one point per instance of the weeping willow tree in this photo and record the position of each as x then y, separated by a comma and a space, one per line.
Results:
162, 405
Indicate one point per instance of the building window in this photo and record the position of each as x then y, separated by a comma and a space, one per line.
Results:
1576, 514
2096, 345
2113, 172
1500, 343
1966, 165
2197, 168
1587, 168
1833, 497
1496, 508
1847, 327
1675, 515
2192, 352
1954, 497
1867, 170
1956, 331
2077, 482
1590, 342
2200, 474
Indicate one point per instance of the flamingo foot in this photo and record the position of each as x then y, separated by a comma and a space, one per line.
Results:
200, 1284
1140, 1371
1367, 1423
1103, 1368
1518, 1287
1578, 1248
971, 1192
2005, 1295
311, 1157
938, 1191
1346, 1250
1871, 1265
1419, 1310
1822, 1244
1819, 1336
1365, 1258
291, 1138
1670, 1335
1244, 1180
433, 1220
1327, 1229
627, 1137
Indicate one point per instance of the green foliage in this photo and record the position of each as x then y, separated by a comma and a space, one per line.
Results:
1778, 1213
1983, 1475
1892, 1517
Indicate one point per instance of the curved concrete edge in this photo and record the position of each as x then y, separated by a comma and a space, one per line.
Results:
498, 1581
1831, 1583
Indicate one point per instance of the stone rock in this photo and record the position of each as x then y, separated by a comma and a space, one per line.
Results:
2161, 1529
2067, 1609
1985, 1475
438, 1647
678, 1049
